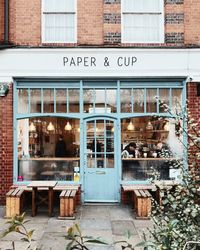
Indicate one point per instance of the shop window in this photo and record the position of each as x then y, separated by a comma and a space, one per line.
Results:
48, 100
23, 101
151, 100
164, 99
61, 100
48, 149
59, 21
138, 99
126, 100
149, 148
100, 100
73, 95
35, 101
142, 21
176, 100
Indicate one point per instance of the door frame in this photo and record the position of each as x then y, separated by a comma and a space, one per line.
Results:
117, 156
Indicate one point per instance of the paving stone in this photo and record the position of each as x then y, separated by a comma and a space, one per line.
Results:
95, 224
19, 245
55, 225
95, 212
121, 227
52, 241
120, 213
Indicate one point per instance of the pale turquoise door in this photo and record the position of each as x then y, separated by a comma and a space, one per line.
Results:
100, 165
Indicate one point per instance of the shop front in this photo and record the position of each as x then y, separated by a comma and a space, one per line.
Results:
99, 134
95, 118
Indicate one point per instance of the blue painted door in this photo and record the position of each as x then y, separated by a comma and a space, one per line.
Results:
100, 165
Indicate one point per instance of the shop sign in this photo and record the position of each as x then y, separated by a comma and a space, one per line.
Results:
92, 61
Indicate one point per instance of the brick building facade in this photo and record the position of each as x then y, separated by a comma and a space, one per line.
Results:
98, 25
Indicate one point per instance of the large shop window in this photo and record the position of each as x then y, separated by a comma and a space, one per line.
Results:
142, 21
35, 100
150, 146
59, 21
48, 149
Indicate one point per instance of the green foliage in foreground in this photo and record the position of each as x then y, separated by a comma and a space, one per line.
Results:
78, 240
177, 221
17, 225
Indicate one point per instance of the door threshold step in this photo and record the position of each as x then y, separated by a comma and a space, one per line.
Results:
101, 203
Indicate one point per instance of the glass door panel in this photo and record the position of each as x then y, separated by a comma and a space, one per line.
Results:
100, 160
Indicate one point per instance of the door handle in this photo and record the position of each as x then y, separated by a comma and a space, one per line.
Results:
100, 172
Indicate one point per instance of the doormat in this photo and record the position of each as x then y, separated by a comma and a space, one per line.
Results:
121, 227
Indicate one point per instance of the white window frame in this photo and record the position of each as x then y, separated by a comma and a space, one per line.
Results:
43, 26
162, 23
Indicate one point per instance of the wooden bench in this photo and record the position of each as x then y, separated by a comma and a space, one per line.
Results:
14, 202
142, 200
67, 204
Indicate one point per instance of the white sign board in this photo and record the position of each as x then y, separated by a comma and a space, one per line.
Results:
99, 63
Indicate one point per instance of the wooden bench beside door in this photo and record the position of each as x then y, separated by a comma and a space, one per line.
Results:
142, 199
142, 203
67, 203
14, 202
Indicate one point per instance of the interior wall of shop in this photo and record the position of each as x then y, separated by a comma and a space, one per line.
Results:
99, 23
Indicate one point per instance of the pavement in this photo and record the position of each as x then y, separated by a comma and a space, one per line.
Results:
109, 222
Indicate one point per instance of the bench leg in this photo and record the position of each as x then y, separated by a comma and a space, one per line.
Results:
50, 203
34, 195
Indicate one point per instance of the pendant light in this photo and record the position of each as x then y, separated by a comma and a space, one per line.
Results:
32, 127
166, 127
130, 126
113, 129
68, 126
149, 126
50, 127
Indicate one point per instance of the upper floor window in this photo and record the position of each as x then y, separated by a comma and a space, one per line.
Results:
59, 21
142, 21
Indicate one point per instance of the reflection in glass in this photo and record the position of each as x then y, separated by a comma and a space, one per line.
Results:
126, 100
35, 103
110, 161
48, 155
23, 101
151, 101
176, 100
164, 98
48, 100
138, 98
111, 100
73, 95
91, 161
61, 100
100, 101
88, 99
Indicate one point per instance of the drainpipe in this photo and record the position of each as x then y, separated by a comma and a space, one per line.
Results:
6, 21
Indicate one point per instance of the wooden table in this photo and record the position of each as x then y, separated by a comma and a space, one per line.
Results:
49, 185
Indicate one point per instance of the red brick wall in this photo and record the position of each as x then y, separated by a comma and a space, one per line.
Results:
1, 20
25, 22
194, 109
99, 23
192, 22
6, 144
90, 22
